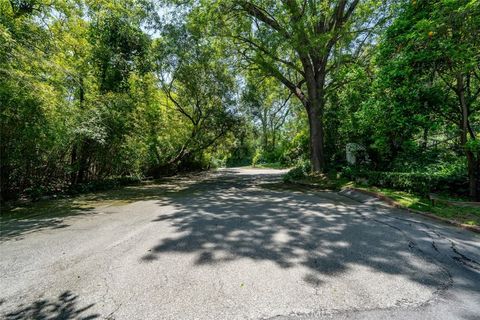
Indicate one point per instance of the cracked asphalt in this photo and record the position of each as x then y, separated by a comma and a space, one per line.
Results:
237, 244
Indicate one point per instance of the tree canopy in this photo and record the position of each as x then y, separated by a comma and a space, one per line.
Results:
95, 90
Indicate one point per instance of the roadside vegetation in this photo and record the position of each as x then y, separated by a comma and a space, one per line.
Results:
459, 213
447, 205
101, 94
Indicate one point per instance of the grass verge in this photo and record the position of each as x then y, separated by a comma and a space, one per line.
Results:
461, 214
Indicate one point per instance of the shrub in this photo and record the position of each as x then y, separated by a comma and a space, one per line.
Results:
416, 182
300, 171
36, 192
257, 157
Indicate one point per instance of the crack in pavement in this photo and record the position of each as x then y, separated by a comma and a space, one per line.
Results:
413, 246
462, 257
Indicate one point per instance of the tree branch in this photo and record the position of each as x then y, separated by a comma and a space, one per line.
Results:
269, 53
264, 16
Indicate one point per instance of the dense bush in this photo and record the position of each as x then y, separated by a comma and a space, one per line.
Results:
416, 182
300, 171
262, 156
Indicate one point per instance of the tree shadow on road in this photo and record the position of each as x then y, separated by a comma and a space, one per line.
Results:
18, 220
231, 218
21, 220
63, 308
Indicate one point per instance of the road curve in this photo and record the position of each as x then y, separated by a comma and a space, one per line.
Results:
236, 244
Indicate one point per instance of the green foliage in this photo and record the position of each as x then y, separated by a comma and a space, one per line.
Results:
449, 181
96, 90
81, 99
429, 81
473, 145
257, 157
199, 90
297, 148
242, 150
299, 172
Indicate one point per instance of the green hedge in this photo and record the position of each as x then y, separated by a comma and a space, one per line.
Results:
415, 182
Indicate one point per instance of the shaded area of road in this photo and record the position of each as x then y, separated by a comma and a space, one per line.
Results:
63, 308
24, 218
239, 244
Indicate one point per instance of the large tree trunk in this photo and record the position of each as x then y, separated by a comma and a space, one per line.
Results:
315, 121
316, 142
472, 162
313, 53
315, 80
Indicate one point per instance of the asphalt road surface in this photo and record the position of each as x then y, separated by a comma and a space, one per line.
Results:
236, 244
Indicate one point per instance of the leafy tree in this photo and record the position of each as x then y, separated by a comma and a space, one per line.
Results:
199, 86
269, 107
300, 43
31, 126
93, 90
432, 50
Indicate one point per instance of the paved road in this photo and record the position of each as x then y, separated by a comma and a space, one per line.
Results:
236, 244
